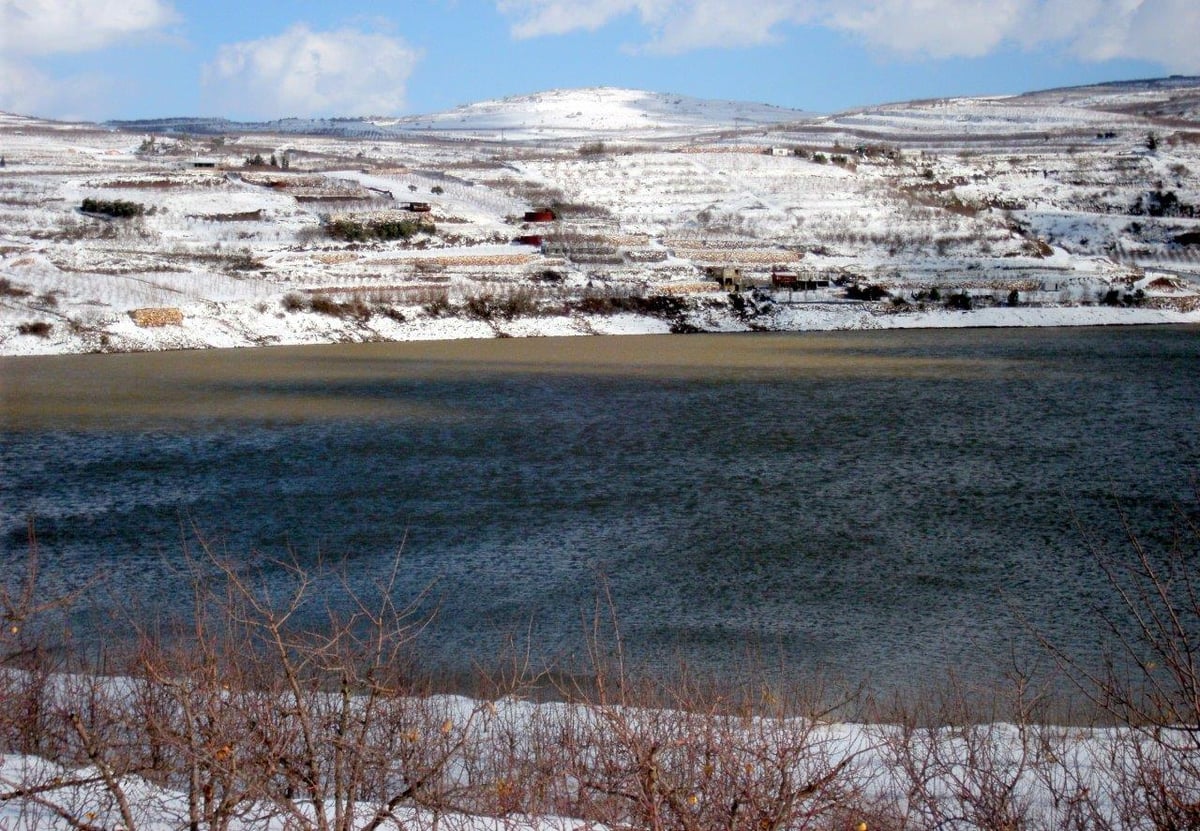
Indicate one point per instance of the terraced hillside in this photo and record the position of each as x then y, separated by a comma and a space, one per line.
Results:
1072, 205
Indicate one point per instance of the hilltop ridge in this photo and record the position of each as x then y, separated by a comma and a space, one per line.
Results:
557, 114
551, 114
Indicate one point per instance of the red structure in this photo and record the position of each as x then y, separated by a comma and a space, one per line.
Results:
790, 280
530, 239
540, 215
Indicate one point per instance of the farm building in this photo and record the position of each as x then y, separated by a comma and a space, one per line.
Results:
540, 215
731, 279
790, 280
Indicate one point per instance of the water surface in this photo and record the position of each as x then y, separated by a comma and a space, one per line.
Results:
883, 505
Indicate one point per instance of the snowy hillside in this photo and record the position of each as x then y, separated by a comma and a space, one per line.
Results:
667, 214
554, 114
583, 113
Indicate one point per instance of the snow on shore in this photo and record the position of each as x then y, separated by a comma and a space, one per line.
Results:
226, 325
1047, 776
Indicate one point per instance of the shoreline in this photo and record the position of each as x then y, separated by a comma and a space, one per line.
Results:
239, 326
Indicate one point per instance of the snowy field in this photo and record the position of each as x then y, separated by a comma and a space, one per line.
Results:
1070, 207
171, 752
884, 776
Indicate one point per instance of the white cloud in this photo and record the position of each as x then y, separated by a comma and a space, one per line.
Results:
1163, 31
32, 30
968, 28
22, 87
48, 27
27, 90
554, 17
306, 73
1166, 32
721, 23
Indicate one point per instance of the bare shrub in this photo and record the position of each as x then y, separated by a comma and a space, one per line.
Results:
507, 303
612, 299
1151, 680
71, 229
533, 193
309, 234
565, 209
354, 308
284, 693
10, 289
691, 766
323, 304
481, 305
683, 755
33, 647
435, 301
250, 714
254, 717
275, 713
294, 302
243, 260
967, 758
39, 328
520, 301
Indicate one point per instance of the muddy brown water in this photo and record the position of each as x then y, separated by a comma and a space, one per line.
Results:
887, 506
301, 383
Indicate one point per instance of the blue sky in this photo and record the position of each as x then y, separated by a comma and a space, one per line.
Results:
101, 59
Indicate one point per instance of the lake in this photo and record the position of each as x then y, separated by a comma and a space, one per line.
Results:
882, 506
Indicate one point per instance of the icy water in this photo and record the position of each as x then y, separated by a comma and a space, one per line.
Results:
880, 506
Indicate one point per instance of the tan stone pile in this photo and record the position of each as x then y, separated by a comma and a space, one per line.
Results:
151, 318
687, 288
494, 259
737, 257
336, 258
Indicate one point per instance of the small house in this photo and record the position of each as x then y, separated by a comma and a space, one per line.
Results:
417, 207
731, 279
540, 215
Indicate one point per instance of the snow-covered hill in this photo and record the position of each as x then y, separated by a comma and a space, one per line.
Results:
600, 111
594, 112
554, 114
1064, 206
